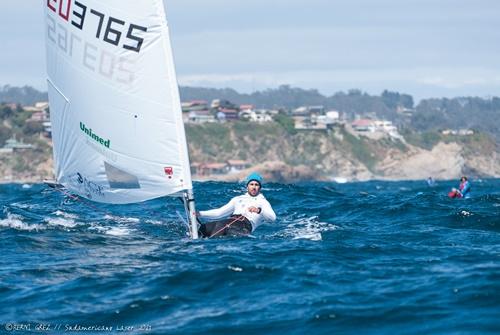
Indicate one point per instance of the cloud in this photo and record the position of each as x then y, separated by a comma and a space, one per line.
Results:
418, 46
462, 78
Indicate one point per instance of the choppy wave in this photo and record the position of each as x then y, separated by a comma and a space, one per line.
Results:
16, 222
307, 228
375, 258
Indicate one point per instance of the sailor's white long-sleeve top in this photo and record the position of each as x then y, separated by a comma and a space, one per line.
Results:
239, 206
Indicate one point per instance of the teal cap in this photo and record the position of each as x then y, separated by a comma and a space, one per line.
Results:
254, 176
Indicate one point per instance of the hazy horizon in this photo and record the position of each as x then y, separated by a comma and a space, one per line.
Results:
423, 48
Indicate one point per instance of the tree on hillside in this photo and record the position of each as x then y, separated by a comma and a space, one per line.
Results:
5, 112
5, 134
395, 99
26, 95
32, 128
428, 116
357, 103
458, 113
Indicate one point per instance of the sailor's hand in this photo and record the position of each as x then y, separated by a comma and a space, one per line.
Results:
254, 210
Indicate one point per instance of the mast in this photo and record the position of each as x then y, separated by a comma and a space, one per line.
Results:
191, 213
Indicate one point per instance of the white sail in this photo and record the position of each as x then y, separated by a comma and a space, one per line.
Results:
117, 124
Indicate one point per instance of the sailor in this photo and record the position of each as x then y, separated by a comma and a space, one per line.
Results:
246, 212
463, 190
431, 182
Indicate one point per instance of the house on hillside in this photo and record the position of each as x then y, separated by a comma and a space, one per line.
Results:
195, 105
363, 125
316, 110
47, 127
376, 129
248, 108
465, 132
312, 118
225, 104
195, 168
229, 114
408, 112
234, 165
212, 169
333, 115
384, 126
31, 109
12, 145
460, 132
301, 111
42, 105
259, 116
39, 116
38, 107
312, 122
200, 117
221, 117
330, 119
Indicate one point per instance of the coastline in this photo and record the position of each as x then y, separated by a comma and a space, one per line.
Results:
335, 156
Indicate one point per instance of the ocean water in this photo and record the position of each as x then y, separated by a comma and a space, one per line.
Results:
367, 258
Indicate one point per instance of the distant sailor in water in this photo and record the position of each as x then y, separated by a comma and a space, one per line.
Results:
463, 190
247, 212
431, 182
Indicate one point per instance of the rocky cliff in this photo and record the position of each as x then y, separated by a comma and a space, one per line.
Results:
288, 156
341, 153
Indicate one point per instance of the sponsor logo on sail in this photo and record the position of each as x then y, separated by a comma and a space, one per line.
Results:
87, 187
95, 137
169, 171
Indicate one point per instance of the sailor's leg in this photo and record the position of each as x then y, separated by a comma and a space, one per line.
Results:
213, 229
203, 231
239, 228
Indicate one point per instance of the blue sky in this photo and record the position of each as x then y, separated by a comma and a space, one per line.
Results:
420, 47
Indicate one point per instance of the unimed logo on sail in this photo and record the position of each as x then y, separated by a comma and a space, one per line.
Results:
95, 137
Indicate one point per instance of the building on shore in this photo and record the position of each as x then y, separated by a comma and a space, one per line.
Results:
230, 166
12, 145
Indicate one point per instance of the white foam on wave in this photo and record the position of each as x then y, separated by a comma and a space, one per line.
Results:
154, 222
97, 227
62, 222
121, 219
308, 229
311, 236
66, 215
118, 231
15, 222
21, 205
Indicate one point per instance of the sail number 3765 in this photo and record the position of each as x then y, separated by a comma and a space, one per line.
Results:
108, 28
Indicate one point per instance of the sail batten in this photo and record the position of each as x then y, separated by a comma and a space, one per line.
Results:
118, 132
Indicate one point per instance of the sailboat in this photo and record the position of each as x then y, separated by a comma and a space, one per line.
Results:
117, 127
